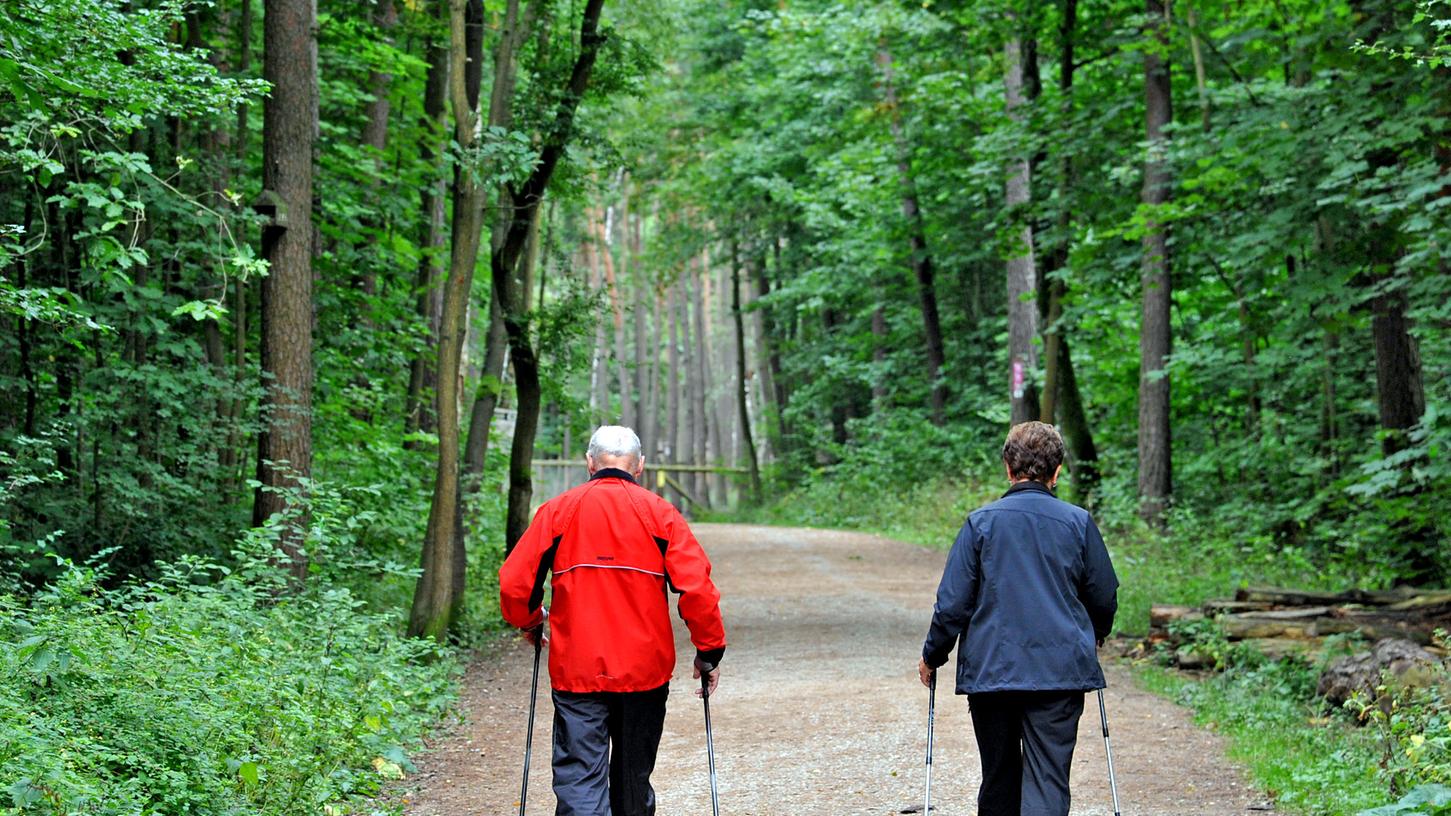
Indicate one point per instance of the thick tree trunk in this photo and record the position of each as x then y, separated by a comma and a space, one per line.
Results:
1155, 448
435, 601
284, 448
921, 257
1399, 390
504, 265
1022, 274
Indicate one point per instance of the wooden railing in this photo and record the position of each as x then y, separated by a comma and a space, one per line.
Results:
661, 478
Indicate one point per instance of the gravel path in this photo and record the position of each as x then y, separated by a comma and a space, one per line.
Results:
819, 710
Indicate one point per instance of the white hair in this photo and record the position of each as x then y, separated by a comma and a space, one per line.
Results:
614, 440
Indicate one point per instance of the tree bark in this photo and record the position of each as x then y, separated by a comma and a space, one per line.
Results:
491, 381
673, 380
745, 412
435, 601
419, 411
1155, 448
695, 419
605, 249
1400, 394
1060, 384
1022, 274
630, 247
921, 257
284, 447
504, 264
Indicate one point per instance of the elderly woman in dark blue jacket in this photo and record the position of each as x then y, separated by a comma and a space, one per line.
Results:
1027, 595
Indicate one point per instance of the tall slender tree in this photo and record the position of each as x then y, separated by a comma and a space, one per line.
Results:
920, 256
1022, 273
436, 596
524, 203
1155, 449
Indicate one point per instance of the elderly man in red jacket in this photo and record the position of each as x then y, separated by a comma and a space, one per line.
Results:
614, 549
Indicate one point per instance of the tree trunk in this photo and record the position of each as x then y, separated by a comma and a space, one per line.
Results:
921, 257
600, 361
486, 400
644, 422
695, 421
1060, 385
745, 417
708, 446
1155, 449
504, 262
1022, 275
1083, 454
491, 380
603, 246
1399, 391
419, 414
284, 446
1199, 84
375, 131
673, 382
435, 601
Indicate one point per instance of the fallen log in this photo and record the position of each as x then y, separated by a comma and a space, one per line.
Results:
1161, 615
1271, 618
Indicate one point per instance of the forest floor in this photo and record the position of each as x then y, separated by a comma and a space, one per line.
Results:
819, 709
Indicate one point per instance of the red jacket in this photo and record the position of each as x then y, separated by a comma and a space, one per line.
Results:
614, 548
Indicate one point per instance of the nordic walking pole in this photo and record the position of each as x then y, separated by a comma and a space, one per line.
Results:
1108, 751
931, 716
705, 670
529, 735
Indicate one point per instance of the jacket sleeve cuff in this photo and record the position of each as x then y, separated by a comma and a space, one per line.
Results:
933, 661
710, 656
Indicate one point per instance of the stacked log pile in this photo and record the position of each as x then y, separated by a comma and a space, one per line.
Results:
1279, 622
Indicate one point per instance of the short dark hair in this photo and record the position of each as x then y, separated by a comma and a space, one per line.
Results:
1033, 450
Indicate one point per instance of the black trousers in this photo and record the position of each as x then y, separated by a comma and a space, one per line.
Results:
1026, 741
604, 751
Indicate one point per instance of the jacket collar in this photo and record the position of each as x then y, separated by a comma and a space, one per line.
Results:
1028, 485
612, 473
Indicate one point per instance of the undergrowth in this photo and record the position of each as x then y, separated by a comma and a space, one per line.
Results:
1308, 760
212, 688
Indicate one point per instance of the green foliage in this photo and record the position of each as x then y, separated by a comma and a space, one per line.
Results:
1309, 763
1411, 716
208, 690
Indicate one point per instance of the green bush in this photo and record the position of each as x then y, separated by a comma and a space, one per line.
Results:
208, 690
1411, 718
1308, 762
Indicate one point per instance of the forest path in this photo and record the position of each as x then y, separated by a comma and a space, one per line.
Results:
819, 708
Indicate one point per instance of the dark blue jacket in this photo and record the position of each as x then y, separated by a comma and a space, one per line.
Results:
1027, 592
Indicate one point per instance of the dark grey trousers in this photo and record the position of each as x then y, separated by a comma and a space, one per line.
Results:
604, 751
1026, 741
